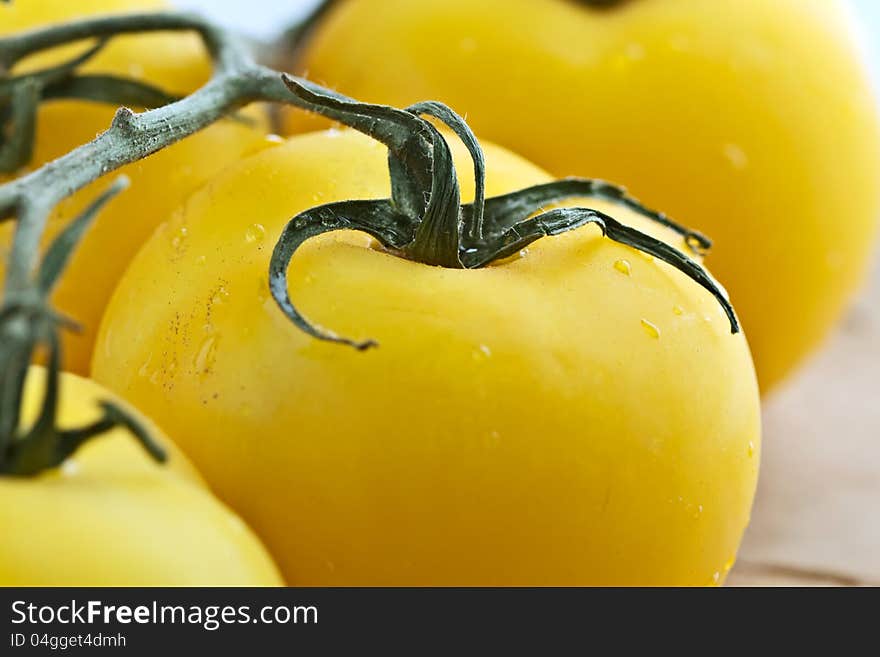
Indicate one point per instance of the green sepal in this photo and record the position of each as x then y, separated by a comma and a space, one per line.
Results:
376, 218
109, 90
59, 252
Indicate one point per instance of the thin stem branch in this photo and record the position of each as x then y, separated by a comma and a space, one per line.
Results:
236, 82
27, 319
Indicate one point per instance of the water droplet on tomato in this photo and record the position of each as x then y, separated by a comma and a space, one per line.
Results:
220, 296
736, 156
623, 267
254, 234
69, 468
651, 329
635, 51
178, 238
144, 370
204, 359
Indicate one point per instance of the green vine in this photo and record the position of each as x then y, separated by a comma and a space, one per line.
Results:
424, 220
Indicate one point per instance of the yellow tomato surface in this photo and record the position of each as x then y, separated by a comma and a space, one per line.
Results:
752, 120
111, 516
578, 414
175, 63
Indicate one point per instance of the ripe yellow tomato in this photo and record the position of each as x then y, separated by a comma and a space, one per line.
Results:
110, 516
176, 63
577, 414
751, 120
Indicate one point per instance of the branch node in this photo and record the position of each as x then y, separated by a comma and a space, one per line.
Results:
125, 121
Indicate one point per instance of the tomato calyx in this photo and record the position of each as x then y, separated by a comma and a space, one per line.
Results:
28, 325
424, 219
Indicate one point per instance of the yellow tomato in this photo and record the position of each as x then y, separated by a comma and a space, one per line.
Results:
751, 120
578, 414
176, 63
110, 516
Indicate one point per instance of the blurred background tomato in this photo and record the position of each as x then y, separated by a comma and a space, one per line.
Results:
266, 18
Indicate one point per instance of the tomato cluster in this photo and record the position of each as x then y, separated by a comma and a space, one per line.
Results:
577, 413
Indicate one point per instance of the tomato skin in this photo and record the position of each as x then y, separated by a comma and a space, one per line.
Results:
110, 516
518, 424
175, 63
752, 120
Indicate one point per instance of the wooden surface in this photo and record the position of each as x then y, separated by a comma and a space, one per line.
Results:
817, 516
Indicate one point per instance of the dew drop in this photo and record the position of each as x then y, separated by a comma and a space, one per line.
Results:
255, 233
206, 356
178, 239
487, 352
144, 370
736, 156
635, 51
220, 296
751, 449
678, 310
623, 267
651, 329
